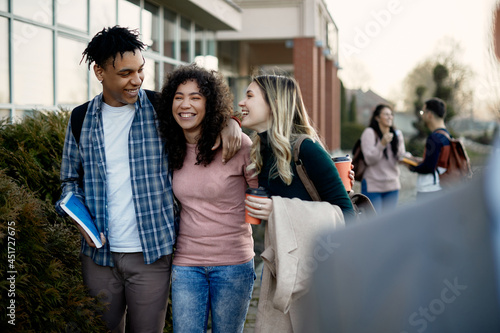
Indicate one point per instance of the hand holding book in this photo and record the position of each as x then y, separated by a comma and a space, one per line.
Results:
410, 160
81, 216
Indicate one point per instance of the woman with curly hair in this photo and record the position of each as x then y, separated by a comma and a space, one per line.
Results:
213, 268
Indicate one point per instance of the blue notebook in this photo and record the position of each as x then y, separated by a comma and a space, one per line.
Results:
81, 215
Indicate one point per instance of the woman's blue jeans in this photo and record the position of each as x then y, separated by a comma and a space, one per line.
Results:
225, 291
382, 201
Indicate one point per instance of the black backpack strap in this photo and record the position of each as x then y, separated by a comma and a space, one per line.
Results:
77, 117
78, 114
153, 97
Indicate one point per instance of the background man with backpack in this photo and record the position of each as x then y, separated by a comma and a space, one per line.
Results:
437, 149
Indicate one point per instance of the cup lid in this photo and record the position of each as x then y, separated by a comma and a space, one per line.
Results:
345, 158
262, 192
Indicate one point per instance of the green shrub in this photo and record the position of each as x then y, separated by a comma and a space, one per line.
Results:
49, 294
349, 134
31, 150
415, 146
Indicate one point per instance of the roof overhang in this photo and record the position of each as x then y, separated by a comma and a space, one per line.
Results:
214, 14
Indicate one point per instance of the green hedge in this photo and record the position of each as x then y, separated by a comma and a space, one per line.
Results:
42, 247
49, 291
31, 150
349, 134
42, 250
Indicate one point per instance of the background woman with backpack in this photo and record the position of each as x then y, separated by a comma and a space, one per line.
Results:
382, 146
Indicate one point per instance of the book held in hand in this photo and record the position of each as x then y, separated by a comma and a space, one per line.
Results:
74, 207
409, 161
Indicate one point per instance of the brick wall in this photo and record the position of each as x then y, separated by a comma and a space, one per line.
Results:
317, 77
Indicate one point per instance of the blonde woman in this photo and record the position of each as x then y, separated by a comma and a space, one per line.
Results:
274, 109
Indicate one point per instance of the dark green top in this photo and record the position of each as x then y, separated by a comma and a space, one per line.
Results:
320, 169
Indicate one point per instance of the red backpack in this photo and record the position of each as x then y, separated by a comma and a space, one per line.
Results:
456, 161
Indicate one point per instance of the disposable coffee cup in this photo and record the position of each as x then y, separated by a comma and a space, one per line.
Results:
254, 192
343, 165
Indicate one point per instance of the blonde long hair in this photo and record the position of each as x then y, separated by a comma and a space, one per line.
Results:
289, 119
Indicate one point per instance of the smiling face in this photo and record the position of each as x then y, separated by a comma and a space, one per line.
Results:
255, 110
385, 118
121, 82
188, 109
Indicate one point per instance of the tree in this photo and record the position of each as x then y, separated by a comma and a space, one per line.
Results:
352, 110
343, 104
355, 74
443, 91
418, 105
419, 102
442, 73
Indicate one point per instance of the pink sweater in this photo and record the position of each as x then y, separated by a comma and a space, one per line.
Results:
381, 174
212, 230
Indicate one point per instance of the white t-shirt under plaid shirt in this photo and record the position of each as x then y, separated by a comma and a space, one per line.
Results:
150, 179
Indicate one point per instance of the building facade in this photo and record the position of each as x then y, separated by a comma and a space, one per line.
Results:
42, 42
296, 36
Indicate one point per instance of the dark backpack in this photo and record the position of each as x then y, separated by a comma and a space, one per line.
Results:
457, 162
358, 161
78, 114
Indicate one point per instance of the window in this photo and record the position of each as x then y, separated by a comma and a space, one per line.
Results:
185, 40
4, 5
33, 58
211, 43
66, 14
19, 114
40, 56
129, 14
102, 14
198, 41
4, 62
151, 75
150, 17
4, 113
168, 68
95, 85
39, 11
71, 77
169, 33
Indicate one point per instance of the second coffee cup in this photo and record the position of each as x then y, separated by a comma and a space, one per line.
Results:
254, 192
343, 165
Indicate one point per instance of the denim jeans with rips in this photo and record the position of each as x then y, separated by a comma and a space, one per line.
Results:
224, 291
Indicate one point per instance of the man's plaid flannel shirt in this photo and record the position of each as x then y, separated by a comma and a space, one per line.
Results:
149, 173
